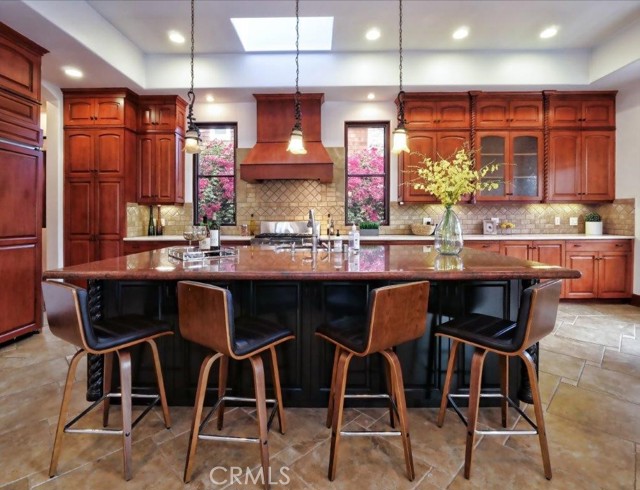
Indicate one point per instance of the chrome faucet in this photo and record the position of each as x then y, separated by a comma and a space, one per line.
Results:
314, 231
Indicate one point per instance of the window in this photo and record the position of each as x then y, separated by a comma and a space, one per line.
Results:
367, 172
214, 173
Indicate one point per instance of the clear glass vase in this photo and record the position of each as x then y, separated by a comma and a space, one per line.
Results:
448, 235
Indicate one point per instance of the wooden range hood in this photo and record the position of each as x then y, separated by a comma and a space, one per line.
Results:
269, 158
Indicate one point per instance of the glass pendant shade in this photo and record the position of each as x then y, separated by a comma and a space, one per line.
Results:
192, 141
399, 141
296, 143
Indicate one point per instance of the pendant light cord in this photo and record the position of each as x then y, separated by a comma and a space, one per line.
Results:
298, 112
401, 120
191, 94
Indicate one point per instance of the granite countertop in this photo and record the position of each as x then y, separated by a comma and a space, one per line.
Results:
401, 238
374, 262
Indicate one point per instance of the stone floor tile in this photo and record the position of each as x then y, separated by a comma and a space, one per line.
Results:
22, 484
24, 451
596, 330
630, 346
560, 364
548, 384
598, 411
13, 381
574, 348
620, 385
621, 362
578, 449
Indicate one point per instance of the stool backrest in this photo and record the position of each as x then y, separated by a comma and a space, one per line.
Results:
68, 313
537, 313
206, 315
397, 314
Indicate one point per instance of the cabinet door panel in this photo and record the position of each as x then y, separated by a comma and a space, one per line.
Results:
613, 275
165, 117
526, 113
599, 113
551, 253
109, 111
519, 250
78, 251
108, 248
108, 201
146, 175
599, 165
453, 114
586, 263
493, 149
564, 166
525, 175
423, 143
78, 206
492, 113
165, 167
422, 114
18, 286
79, 112
21, 194
79, 152
109, 151
565, 113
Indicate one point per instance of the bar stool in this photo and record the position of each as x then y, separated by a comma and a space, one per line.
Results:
69, 319
397, 314
206, 318
536, 319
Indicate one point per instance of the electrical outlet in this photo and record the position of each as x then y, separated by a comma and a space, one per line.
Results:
426, 221
557, 221
573, 221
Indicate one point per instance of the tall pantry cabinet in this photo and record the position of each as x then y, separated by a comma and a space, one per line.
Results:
21, 185
99, 170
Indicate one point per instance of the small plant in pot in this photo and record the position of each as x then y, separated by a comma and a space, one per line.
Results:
369, 228
592, 223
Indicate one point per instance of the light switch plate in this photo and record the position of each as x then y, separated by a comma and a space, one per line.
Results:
426, 221
557, 220
573, 221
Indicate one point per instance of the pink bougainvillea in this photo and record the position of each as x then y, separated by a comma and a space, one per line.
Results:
216, 182
365, 185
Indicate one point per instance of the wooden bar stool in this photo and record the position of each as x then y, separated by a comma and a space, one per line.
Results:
69, 319
536, 319
397, 314
206, 318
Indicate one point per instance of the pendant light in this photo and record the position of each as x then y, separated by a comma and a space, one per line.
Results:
192, 136
296, 142
400, 134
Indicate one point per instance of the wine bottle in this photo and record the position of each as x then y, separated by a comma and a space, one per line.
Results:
159, 227
151, 229
214, 233
252, 226
205, 243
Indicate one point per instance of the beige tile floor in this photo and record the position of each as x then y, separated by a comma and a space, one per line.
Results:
590, 382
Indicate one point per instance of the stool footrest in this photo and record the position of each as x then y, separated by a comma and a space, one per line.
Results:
225, 398
67, 428
492, 432
357, 433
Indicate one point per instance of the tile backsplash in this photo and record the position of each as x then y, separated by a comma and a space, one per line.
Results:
291, 200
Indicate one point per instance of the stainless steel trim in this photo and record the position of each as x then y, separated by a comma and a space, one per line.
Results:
20, 145
357, 433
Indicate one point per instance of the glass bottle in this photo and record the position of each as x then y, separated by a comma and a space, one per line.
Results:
252, 226
159, 225
448, 234
151, 228
205, 243
214, 232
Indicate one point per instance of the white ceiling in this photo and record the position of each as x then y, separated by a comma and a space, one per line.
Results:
124, 43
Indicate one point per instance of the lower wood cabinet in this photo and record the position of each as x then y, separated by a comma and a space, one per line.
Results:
545, 251
605, 265
486, 245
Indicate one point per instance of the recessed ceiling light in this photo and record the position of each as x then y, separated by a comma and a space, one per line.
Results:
549, 32
210, 98
373, 34
371, 96
461, 32
176, 37
72, 72
279, 33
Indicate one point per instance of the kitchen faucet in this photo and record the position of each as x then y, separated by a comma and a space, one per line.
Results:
314, 231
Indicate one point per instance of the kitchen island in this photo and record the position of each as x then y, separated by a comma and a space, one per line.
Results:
301, 291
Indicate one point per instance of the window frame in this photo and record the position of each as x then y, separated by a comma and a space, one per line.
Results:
196, 175
385, 125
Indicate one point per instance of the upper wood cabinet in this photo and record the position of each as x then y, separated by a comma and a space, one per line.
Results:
581, 165
162, 113
520, 173
84, 108
582, 110
89, 151
509, 110
437, 110
160, 169
20, 62
429, 144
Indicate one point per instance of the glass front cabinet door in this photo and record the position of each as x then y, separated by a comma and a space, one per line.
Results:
519, 155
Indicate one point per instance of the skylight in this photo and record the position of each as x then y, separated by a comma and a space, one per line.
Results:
279, 33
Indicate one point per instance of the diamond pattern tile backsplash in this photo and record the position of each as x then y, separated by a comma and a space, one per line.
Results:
291, 200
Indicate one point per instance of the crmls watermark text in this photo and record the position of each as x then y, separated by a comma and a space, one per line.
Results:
243, 476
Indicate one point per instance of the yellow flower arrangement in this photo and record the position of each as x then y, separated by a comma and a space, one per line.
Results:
449, 180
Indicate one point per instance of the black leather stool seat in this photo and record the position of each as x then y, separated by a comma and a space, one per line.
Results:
252, 334
113, 332
483, 330
350, 331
